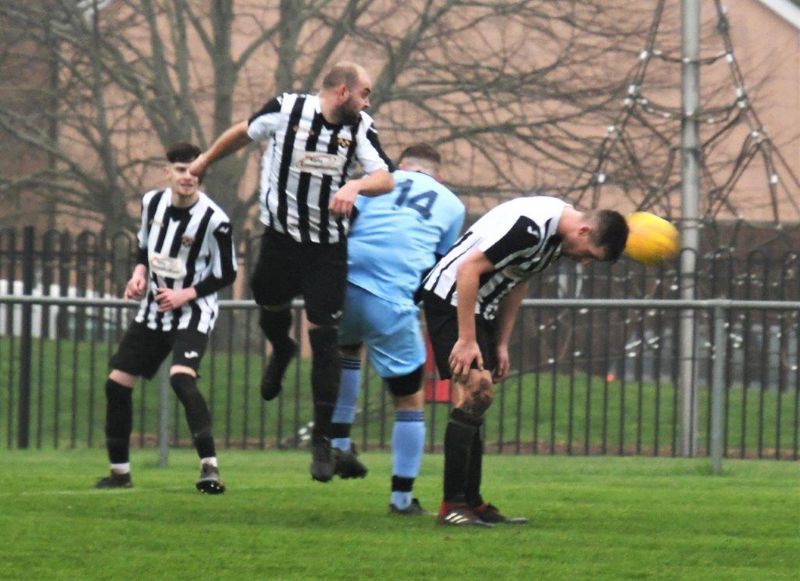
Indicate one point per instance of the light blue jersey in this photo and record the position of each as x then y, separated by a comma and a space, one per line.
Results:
395, 237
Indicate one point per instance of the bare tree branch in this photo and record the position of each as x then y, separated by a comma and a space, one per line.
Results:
516, 87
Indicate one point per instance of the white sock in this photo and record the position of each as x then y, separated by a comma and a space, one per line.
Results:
212, 461
123, 468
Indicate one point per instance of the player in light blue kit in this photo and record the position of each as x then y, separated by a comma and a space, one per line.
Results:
394, 240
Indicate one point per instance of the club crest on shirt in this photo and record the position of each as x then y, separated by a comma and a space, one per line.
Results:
344, 142
187, 240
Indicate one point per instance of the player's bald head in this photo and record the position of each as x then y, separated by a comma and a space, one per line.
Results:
344, 73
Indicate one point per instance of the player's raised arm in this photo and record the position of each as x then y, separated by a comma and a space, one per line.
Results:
231, 140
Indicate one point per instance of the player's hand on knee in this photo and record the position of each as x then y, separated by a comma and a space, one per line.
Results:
461, 358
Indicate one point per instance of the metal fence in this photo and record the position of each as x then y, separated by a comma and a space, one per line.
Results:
53, 395
595, 372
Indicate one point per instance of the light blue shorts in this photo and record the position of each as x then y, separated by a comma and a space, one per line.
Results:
390, 331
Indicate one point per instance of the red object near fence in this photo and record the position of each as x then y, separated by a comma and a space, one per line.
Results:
436, 390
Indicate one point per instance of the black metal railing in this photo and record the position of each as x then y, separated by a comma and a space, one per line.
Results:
589, 378
560, 405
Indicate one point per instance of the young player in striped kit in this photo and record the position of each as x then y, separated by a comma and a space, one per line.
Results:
395, 239
471, 299
314, 144
186, 254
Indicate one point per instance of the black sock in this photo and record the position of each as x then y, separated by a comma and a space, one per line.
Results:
340, 430
458, 439
475, 469
275, 325
401, 484
197, 414
119, 421
325, 372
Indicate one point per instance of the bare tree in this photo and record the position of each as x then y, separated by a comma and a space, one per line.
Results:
506, 87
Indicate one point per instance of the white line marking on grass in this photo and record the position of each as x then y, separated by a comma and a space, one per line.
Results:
134, 490
65, 492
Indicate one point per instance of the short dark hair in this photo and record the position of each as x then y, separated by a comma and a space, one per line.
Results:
344, 73
611, 233
183, 152
422, 151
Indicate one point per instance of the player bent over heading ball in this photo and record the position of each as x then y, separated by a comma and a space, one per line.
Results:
186, 253
471, 298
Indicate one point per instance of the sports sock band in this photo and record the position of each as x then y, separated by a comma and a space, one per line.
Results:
122, 468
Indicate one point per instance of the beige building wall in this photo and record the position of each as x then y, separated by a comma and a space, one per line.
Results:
766, 44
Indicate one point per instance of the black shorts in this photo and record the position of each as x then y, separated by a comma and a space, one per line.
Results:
142, 350
442, 321
287, 269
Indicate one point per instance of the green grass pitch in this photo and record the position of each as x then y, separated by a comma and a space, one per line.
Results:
591, 518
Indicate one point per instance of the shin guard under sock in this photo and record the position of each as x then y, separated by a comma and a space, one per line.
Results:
408, 442
473, 487
325, 375
197, 414
458, 440
345, 411
119, 421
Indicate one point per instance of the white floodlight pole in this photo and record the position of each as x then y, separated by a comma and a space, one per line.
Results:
690, 166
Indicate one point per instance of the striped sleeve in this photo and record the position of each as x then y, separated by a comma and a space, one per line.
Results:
513, 241
368, 148
149, 204
262, 125
223, 261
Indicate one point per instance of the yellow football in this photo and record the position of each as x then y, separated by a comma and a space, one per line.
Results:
651, 239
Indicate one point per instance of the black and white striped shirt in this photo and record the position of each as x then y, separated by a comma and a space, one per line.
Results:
518, 237
184, 247
306, 161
